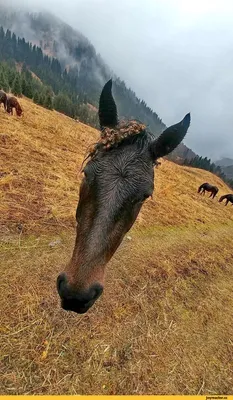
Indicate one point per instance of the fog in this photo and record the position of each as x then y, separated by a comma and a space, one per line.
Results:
176, 55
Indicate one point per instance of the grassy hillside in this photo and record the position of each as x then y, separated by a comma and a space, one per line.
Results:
164, 324
41, 157
41, 154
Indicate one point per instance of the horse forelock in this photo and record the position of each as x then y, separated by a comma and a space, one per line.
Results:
126, 132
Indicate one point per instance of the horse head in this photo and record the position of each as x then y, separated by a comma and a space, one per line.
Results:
118, 178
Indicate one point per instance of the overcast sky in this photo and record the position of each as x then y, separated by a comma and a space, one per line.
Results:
177, 55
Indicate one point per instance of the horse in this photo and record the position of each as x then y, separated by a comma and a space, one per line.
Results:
12, 102
118, 176
228, 197
3, 99
209, 188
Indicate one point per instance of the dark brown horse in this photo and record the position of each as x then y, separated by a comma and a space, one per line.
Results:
118, 178
209, 188
3, 99
228, 197
12, 102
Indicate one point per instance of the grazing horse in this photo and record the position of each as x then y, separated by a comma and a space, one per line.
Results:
209, 188
118, 178
228, 197
12, 102
3, 99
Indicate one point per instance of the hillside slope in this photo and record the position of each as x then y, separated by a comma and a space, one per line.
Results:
41, 156
164, 324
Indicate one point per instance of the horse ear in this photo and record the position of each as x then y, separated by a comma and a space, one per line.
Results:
170, 138
107, 107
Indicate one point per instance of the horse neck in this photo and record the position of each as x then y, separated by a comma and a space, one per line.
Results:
18, 109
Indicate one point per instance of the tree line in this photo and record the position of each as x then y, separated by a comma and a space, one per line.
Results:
68, 90
205, 163
22, 82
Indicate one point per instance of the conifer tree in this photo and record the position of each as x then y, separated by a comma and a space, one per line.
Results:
41, 98
48, 102
17, 86
11, 76
63, 104
27, 88
36, 97
3, 82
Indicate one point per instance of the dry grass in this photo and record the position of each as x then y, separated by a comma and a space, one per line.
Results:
42, 154
164, 324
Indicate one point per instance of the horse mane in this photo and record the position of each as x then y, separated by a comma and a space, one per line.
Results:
125, 133
222, 197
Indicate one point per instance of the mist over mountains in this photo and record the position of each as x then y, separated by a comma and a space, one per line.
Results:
76, 53
79, 57
224, 162
226, 165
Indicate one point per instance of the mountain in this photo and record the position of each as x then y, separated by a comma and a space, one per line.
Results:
78, 58
181, 153
228, 171
224, 162
226, 165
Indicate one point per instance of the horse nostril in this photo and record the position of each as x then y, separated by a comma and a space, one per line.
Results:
61, 284
77, 300
95, 291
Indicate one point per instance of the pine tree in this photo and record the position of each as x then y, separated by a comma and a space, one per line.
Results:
11, 76
17, 86
24, 84
36, 97
2, 33
3, 82
24, 69
27, 88
48, 102
41, 99
83, 113
63, 104
8, 35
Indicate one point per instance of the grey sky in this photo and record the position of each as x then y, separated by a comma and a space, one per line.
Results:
177, 55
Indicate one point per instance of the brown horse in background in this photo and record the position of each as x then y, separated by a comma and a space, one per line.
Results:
228, 197
3, 99
209, 188
12, 102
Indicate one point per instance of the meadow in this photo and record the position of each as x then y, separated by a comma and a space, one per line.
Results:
164, 324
